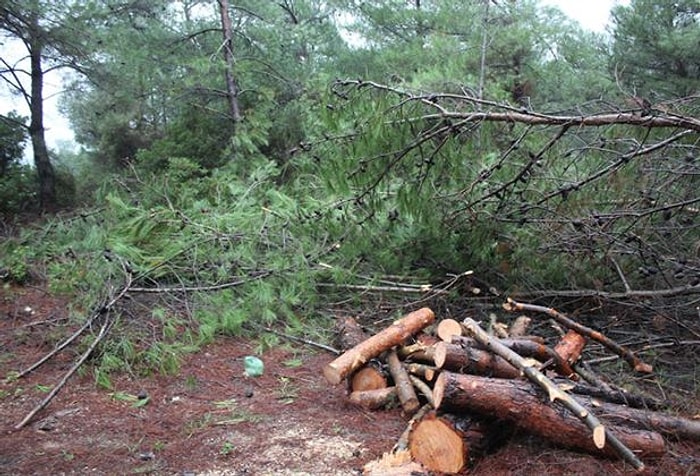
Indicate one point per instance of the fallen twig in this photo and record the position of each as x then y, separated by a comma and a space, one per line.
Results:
103, 332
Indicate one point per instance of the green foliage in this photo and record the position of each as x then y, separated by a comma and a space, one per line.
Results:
655, 50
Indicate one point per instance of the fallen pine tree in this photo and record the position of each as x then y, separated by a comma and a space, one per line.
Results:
476, 388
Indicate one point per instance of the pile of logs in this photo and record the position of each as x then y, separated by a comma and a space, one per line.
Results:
465, 390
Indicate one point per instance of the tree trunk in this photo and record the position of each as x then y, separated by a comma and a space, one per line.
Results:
231, 87
518, 402
42, 162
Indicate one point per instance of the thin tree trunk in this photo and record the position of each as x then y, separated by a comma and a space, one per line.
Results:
231, 87
45, 171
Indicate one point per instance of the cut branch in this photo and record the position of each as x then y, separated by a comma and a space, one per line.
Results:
611, 345
393, 335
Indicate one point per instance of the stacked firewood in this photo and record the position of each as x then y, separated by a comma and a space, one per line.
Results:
465, 390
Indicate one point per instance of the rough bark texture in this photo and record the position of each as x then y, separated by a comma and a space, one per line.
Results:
44, 168
348, 333
393, 335
404, 387
518, 402
467, 359
374, 399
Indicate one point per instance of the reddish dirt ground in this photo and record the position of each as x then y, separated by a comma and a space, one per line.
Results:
212, 420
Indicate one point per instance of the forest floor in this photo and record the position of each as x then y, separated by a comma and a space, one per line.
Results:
210, 419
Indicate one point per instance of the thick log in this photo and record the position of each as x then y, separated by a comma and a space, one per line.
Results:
675, 427
393, 335
369, 377
404, 387
467, 359
447, 328
348, 333
444, 443
525, 347
374, 399
517, 401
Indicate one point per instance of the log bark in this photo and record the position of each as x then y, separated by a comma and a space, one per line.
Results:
600, 435
675, 427
348, 333
404, 387
393, 335
444, 443
527, 347
426, 372
467, 359
374, 399
518, 402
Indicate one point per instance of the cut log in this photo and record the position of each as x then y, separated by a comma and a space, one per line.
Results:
448, 328
466, 359
374, 399
419, 351
444, 443
675, 427
348, 333
570, 347
438, 446
426, 372
525, 347
601, 436
369, 377
404, 387
393, 335
517, 401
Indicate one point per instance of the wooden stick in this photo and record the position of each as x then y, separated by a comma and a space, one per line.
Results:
393, 335
103, 332
404, 387
623, 352
599, 432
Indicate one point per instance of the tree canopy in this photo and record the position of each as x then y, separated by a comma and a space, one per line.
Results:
322, 144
